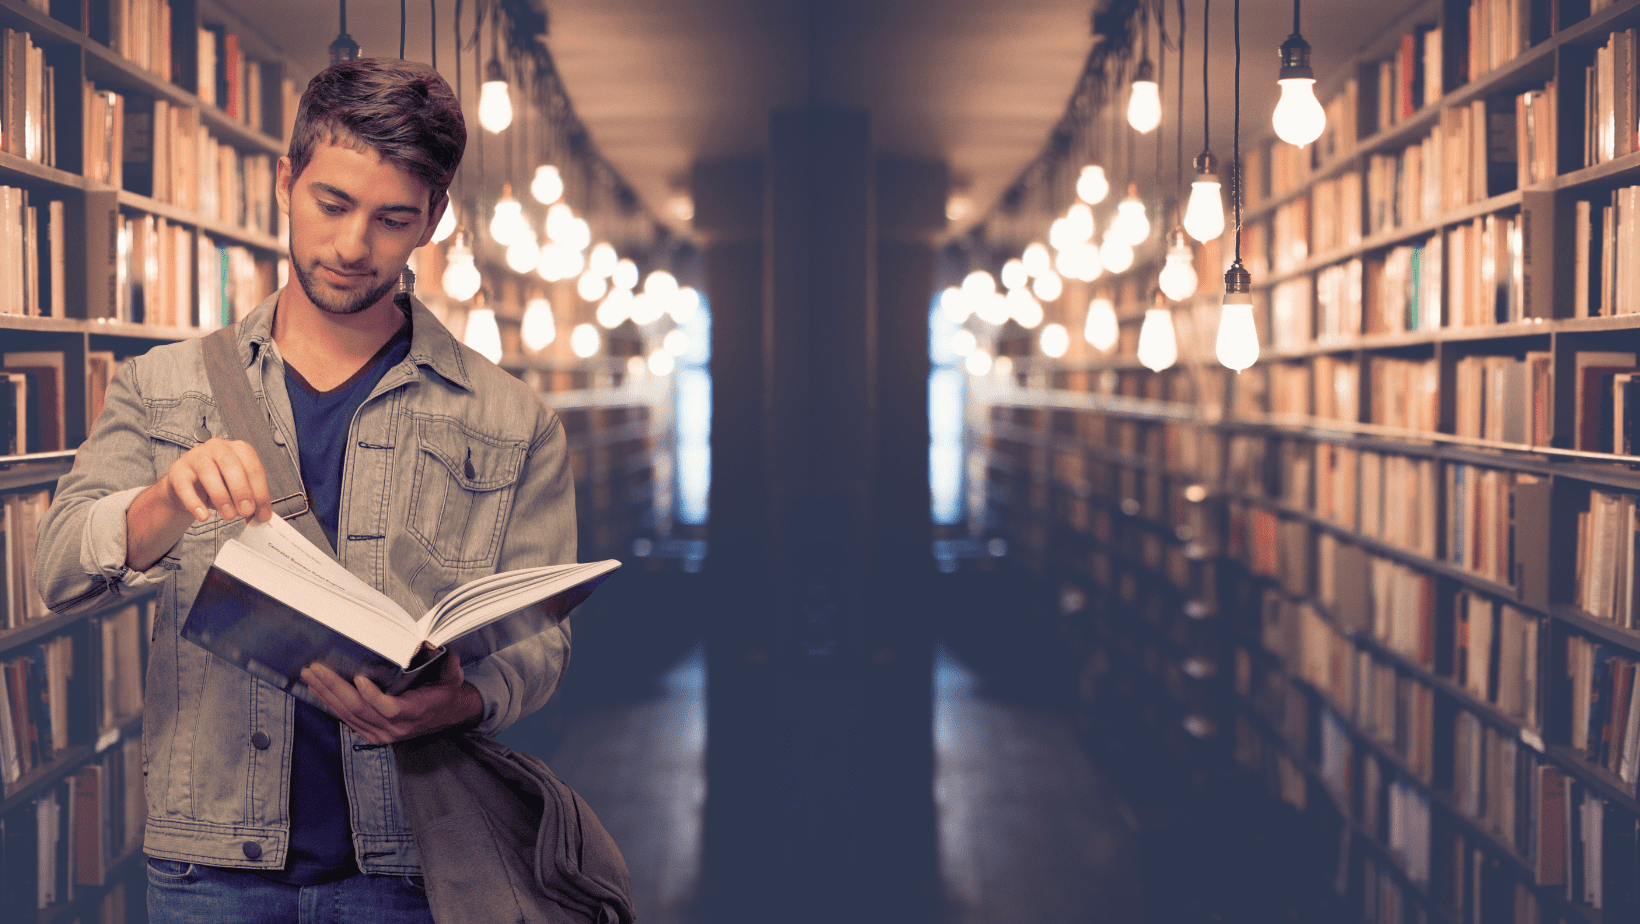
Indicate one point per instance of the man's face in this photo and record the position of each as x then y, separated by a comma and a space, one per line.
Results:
354, 219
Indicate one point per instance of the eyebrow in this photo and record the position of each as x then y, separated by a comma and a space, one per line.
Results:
345, 197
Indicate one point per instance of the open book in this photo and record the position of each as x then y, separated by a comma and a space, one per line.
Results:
274, 603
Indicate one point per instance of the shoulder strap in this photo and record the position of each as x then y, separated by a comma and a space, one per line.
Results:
246, 422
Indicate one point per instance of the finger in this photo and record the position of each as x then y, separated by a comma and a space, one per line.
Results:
343, 700
255, 477
208, 474
388, 707
182, 484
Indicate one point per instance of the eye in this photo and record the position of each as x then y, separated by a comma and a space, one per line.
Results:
395, 224
331, 208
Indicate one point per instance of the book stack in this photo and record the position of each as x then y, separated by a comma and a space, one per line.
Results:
1338, 314
1398, 500
140, 32
1606, 558
1486, 276
1336, 204
156, 265
104, 152
32, 254
1405, 392
1537, 138
229, 80
1403, 187
1495, 655
1403, 288
1609, 86
1499, 30
1409, 80
20, 525
1504, 399
34, 707
1483, 508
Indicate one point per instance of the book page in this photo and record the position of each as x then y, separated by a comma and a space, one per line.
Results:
467, 609
278, 543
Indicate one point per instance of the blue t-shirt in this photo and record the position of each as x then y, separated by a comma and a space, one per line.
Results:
321, 833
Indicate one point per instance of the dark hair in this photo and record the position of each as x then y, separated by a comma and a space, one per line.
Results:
402, 110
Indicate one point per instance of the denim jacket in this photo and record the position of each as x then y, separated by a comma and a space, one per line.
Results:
455, 471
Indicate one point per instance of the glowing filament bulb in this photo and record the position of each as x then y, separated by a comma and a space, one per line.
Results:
548, 185
1100, 330
1091, 185
1144, 111
1178, 276
1158, 345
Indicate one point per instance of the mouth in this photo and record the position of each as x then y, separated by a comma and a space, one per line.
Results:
339, 277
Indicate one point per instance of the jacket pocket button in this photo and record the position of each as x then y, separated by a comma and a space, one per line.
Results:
260, 741
252, 850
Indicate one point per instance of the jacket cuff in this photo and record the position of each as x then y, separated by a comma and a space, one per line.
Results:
102, 545
492, 688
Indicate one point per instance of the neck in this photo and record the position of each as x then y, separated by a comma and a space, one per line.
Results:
301, 328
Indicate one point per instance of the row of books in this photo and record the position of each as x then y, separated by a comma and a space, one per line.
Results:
103, 150
140, 32
1409, 80
1336, 212
1404, 393
34, 711
1605, 581
1499, 31
1495, 655
1400, 290
1606, 251
32, 250
155, 268
237, 84
28, 101
1290, 314
1483, 506
1338, 308
1611, 128
1404, 187
1605, 723
1290, 235
72, 835
1505, 399
1487, 275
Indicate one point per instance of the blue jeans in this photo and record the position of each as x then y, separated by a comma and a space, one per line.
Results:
188, 893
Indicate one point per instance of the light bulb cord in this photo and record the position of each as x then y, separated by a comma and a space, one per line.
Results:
1235, 154
1178, 154
432, 30
1207, 35
1296, 30
402, 16
343, 5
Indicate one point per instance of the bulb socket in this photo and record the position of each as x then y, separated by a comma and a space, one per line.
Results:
1237, 281
1295, 59
492, 71
344, 49
1205, 162
1146, 72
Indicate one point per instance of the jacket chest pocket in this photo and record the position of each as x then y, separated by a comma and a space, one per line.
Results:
462, 491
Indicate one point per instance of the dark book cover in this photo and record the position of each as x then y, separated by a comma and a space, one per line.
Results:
1600, 701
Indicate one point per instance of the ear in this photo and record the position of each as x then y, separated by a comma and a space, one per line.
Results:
281, 184
434, 216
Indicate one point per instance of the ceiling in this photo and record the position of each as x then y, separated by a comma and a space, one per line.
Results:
662, 84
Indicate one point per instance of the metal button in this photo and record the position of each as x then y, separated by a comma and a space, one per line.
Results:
261, 741
252, 849
202, 433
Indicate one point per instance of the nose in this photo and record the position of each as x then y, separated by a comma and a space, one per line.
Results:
353, 241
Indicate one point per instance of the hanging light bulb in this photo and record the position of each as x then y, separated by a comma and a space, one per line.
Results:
560, 221
625, 275
1060, 234
1298, 117
675, 342
560, 261
446, 224
685, 304
495, 110
344, 48
955, 306
1036, 260
964, 342
1023, 309
602, 260
1178, 276
1158, 345
1237, 343
1014, 275
1048, 286
538, 328
662, 284
992, 308
1091, 185
584, 340
615, 308
648, 307
662, 363
1144, 111
1079, 220
1080, 262
483, 334
1204, 215
1055, 340
1117, 256
576, 233
977, 363
548, 185
524, 253
507, 223
591, 286
1101, 329
978, 283
461, 279
1130, 224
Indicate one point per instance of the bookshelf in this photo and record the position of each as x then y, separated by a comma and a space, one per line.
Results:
139, 211
1397, 554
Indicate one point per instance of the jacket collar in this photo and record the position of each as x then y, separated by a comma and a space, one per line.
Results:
431, 343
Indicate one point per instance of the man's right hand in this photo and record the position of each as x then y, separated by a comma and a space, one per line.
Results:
218, 474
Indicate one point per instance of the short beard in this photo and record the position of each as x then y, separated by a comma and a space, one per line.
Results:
316, 295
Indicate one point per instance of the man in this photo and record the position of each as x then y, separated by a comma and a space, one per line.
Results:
426, 464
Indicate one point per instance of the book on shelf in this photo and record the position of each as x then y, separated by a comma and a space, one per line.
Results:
1536, 135
1290, 234
1402, 288
22, 511
140, 32
1595, 387
1503, 399
1610, 84
1487, 277
1605, 581
100, 366
1499, 31
32, 252
1483, 508
1338, 302
1290, 314
1403, 610
116, 641
273, 603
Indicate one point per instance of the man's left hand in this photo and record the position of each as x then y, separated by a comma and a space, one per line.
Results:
382, 719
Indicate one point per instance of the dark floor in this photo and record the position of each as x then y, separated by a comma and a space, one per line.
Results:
1030, 827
